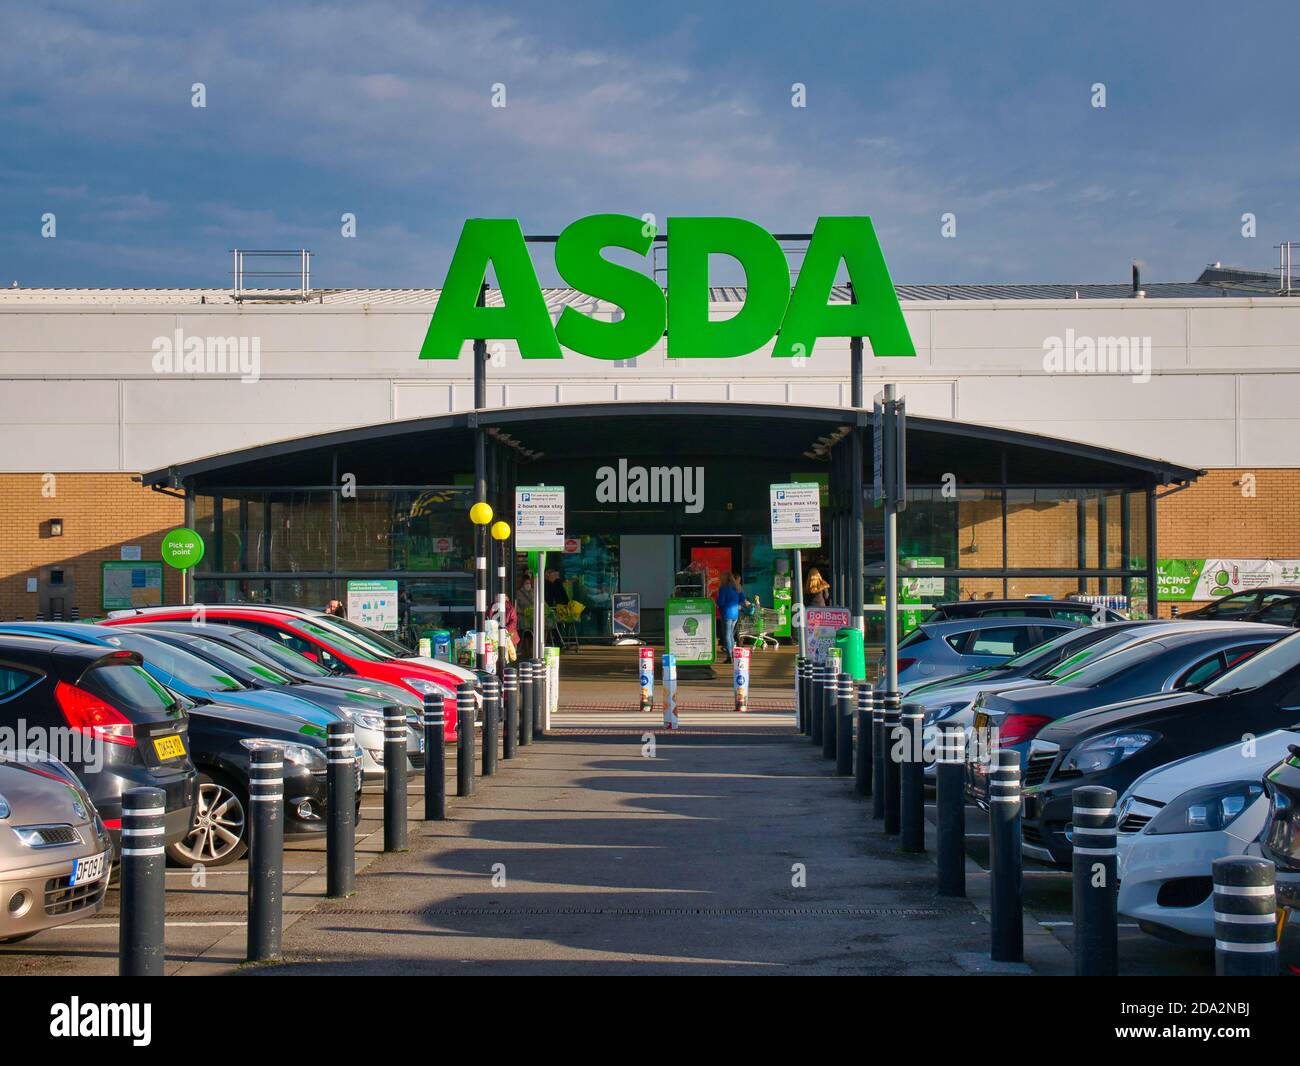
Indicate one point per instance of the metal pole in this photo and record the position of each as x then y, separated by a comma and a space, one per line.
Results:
525, 701
1005, 863
796, 617
891, 546
950, 809
394, 778
501, 608
891, 755
491, 716
265, 854
878, 753
844, 727
1153, 598
1245, 917
1096, 882
862, 753
341, 803
435, 760
143, 873
912, 780
465, 738
480, 593
539, 608
510, 733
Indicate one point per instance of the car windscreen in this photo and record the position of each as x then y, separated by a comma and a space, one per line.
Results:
332, 638
1109, 667
1050, 652
236, 660
1260, 669
128, 687
1109, 643
371, 639
173, 664
278, 654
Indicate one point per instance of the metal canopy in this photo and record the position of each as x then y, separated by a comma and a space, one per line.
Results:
426, 450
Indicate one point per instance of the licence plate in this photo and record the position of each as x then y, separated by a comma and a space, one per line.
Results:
87, 870
171, 747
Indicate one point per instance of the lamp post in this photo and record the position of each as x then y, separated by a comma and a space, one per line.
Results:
480, 514
501, 534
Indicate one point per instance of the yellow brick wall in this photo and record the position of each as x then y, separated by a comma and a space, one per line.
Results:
100, 512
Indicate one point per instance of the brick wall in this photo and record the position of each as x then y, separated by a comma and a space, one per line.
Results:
100, 513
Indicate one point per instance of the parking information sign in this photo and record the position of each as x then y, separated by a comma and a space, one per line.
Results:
539, 517
796, 515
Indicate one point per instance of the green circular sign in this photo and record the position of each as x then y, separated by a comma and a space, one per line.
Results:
182, 548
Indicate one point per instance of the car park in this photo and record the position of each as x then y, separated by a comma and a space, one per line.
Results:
317, 636
1175, 820
1173, 659
1278, 604
55, 852
1066, 610
936, 650
99, 712
1113, 745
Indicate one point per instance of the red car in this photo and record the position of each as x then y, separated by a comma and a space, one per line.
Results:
334, 642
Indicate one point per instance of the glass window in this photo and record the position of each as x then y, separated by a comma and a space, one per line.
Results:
1004, 640
13, 681
1272, 662
1238, 605
1202, 672
236, 662
175, 665
127, 685
281, 655
1278, 608
1108, 668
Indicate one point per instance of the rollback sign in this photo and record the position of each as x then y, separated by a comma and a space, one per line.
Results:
796, 317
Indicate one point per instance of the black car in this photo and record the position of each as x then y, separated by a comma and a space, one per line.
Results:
222, 738
1280, 840
99, 713
1279, 604
1112, 746
1066, 610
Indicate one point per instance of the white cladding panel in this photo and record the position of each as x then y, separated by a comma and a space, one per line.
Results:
79, 389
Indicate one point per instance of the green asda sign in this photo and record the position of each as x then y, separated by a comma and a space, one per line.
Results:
796, 318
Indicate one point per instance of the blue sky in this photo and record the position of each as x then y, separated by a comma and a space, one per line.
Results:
384, 111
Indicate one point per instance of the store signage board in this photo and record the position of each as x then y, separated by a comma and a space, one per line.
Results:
539, 518
822, 624
373, 604
1186, 580
182, 548
796, 515
625, 614
127, 584
688, 622
796, 316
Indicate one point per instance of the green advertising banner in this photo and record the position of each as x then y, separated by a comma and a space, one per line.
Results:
688, 622
1183, 580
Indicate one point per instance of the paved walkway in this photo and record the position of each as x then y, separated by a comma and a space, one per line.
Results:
587, 855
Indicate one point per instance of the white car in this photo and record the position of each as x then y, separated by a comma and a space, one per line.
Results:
1175, 820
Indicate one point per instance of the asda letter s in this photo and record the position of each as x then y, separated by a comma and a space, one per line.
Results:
796, 318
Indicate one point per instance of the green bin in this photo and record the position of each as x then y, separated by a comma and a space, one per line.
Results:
853, 654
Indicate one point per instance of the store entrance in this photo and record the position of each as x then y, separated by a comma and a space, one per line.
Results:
715, 556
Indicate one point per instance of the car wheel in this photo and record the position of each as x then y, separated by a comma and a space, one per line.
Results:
219, 835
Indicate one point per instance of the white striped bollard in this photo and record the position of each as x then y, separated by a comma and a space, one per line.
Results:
1005, 862
491, 718
1096, 882
862, 750
893, 785
1245, 917
950, 809
844, 726
435, 759
265, 853
830, 710
394, 778
340, 813
140, 950
911, 814
465, 711
816, 689
878, 753
510, 698
525, 701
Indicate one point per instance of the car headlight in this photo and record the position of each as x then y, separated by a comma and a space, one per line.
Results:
4, 808
1206, 809
425, 687
366, 720
298, 754
1101, 753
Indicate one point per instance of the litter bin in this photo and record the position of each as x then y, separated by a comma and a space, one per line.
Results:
852, 653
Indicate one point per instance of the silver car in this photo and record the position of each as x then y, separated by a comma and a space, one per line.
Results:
936, 650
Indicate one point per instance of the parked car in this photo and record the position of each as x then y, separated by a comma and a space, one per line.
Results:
1175, 820
1177, 659
1067, 610
222, 738
366, 712
203, 680
55, 852
1278, 604
98, 711
937, 650
1280, 839
319, 637
1114, 745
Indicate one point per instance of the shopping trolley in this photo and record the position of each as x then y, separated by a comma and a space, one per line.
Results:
563, 620
755, 624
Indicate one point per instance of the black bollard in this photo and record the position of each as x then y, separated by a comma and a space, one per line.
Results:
844, 727
862, 752
341, 811
950, 809
540, 686
525, 701
1245, 917
510, 698
806, 697
465, 738
435, 759
491, 716
830, 709
143, 884
816, 687
890, 733
266, 853
912, 780
1096, 882
394, 778
1005, 863
878, 753
798, 693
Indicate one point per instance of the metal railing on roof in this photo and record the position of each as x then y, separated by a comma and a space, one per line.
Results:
300, 272
1286, 279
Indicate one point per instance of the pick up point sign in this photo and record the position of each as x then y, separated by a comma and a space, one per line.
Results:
182, 548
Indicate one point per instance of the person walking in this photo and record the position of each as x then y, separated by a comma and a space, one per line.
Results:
731, 597
816, 589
